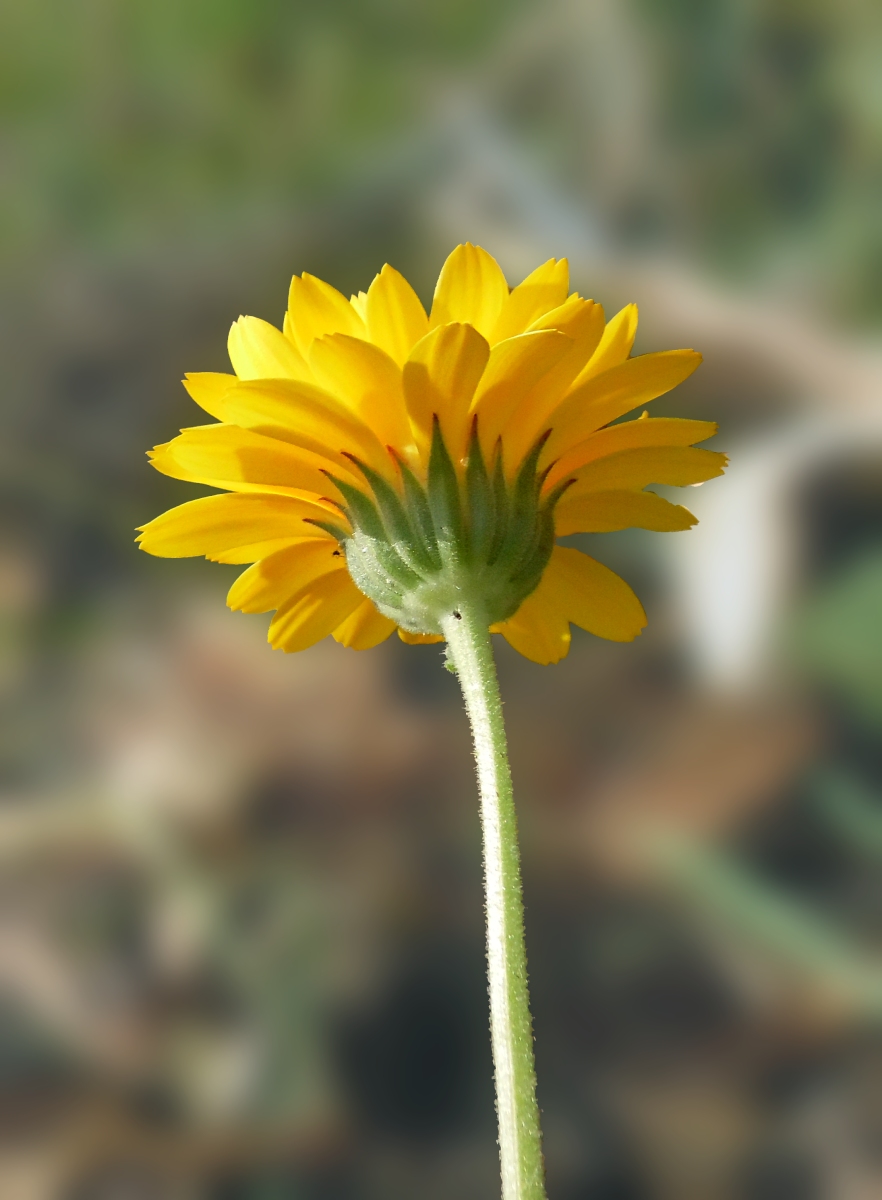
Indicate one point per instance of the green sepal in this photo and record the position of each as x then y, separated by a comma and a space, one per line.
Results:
367, 522
404, 536
527, 574
362, 511
521, 535
555, 494
444, 499
417, 503
532, 567
480, 502
500, 505
366, 561
336, 531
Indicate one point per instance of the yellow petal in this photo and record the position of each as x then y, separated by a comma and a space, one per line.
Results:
365, 628
677, 466
614, 346
582, 321
542, 291
359, 303
367, 382
592, 596
605, 512
271, 582
314, 612
440, 377
225, 456
315, 308
471, 289
260, 351
647, 431
234, 527
304, 415
513, 369
569, 316
610, 395
419, 639
208, 389
396, 319
539, 630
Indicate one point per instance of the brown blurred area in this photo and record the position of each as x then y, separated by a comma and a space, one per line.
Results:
240, 909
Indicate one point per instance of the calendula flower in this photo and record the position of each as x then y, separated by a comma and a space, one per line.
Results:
380, 464
386, 469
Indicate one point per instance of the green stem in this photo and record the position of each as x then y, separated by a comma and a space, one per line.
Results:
520, 1143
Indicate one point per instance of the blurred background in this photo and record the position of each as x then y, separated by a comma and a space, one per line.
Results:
240, 911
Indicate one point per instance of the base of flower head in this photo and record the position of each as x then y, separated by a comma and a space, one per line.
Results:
467, 536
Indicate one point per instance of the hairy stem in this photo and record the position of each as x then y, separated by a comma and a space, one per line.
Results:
520, 1145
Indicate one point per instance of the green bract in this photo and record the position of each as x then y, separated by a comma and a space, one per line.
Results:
419, 552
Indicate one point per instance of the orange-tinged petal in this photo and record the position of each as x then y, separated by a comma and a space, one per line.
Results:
539, 629
677, 466
225, 456
542, 291
614, 346
582, 321
270, 583
367, 382
646, 431
471, 289
227, 527
419, 639
396, 320
314, 612
592, 596
364, 628
208, 389
306, 416
260, 351
315, 308
606, 512
440, 377
617, 391
513, 369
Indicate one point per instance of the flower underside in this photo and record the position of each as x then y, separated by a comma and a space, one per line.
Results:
379, 465
420, 554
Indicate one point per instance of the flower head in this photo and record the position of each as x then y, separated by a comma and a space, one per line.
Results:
379, 465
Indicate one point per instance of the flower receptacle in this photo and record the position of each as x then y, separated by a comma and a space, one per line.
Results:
466, 537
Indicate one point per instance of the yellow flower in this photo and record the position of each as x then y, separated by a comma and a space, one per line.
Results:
378, 463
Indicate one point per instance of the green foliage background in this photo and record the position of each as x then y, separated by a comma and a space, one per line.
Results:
134, 121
